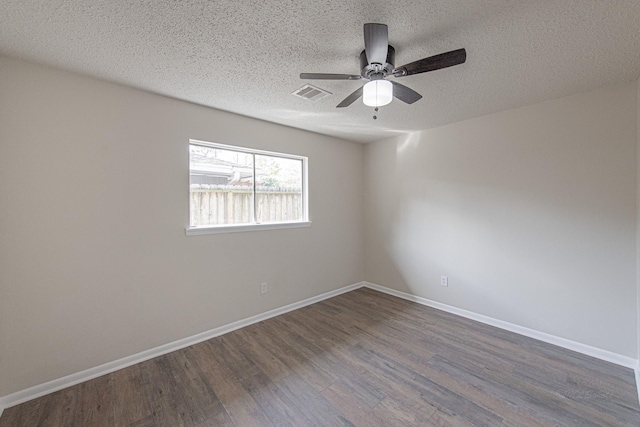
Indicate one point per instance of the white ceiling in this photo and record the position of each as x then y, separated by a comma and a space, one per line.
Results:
245, 56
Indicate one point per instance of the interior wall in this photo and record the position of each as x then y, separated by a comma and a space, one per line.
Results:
94, 261
531, 213
638, 229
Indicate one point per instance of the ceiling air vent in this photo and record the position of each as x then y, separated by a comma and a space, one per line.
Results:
311, 93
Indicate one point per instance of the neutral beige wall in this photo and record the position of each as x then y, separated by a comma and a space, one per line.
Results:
94, 261
531, 213
638, 225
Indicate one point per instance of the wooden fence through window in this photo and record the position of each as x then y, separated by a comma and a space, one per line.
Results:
229, 204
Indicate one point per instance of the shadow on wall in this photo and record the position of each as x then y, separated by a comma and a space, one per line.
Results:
516, 229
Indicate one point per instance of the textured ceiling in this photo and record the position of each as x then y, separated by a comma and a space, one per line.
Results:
245, 56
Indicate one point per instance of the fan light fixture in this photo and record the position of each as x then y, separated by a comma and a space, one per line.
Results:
377, 62
377, 93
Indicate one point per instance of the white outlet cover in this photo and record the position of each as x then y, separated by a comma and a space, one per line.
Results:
444, 280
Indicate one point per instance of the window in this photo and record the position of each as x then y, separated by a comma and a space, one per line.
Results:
239, 189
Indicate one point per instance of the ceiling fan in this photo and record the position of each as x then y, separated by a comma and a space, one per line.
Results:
377, 62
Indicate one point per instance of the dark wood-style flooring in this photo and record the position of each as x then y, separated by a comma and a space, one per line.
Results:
363, 358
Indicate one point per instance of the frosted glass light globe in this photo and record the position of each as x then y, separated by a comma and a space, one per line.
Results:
377, 93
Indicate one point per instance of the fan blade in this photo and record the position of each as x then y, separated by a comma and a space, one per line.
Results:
405, 94
350, 99
432, 63
321, 76
376, 43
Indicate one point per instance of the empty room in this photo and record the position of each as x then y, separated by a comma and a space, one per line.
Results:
297, 213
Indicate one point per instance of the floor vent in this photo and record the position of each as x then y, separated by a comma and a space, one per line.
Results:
311, 93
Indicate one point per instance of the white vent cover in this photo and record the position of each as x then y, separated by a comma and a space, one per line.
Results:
311, 93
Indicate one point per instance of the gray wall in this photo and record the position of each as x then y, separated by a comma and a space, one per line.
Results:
94, 261
531, 213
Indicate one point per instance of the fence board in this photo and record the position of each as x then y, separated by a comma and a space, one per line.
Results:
233, 205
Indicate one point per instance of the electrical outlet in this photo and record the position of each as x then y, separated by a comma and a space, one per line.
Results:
263, 288
444, 280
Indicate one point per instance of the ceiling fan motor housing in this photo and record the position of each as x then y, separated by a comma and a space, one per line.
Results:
371, 71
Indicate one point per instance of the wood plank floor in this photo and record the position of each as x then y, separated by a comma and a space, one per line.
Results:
360, 359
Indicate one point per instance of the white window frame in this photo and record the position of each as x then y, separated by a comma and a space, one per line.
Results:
234, 228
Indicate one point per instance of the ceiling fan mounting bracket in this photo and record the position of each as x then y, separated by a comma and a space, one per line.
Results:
369, 70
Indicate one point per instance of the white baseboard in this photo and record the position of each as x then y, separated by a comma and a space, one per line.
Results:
88, 374
598, 353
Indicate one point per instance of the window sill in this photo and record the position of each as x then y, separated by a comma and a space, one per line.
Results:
197, 231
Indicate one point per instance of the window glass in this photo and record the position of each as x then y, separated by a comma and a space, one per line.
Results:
221, 186
238, 186
278, 189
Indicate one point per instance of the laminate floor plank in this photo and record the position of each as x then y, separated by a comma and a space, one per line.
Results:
325, 356
273, 402
238, 403
193, 387
560, 409
170, 401
435, 394
473, 386
362, 358
398, 412
272, 366
257, 384
59, 408
304, 342
96, 399
311, 403
221, 419
27, 414
512, 402
360, 413
443, 419
131, 403
292, 356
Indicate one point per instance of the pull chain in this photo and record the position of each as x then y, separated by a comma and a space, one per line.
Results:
374, 116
